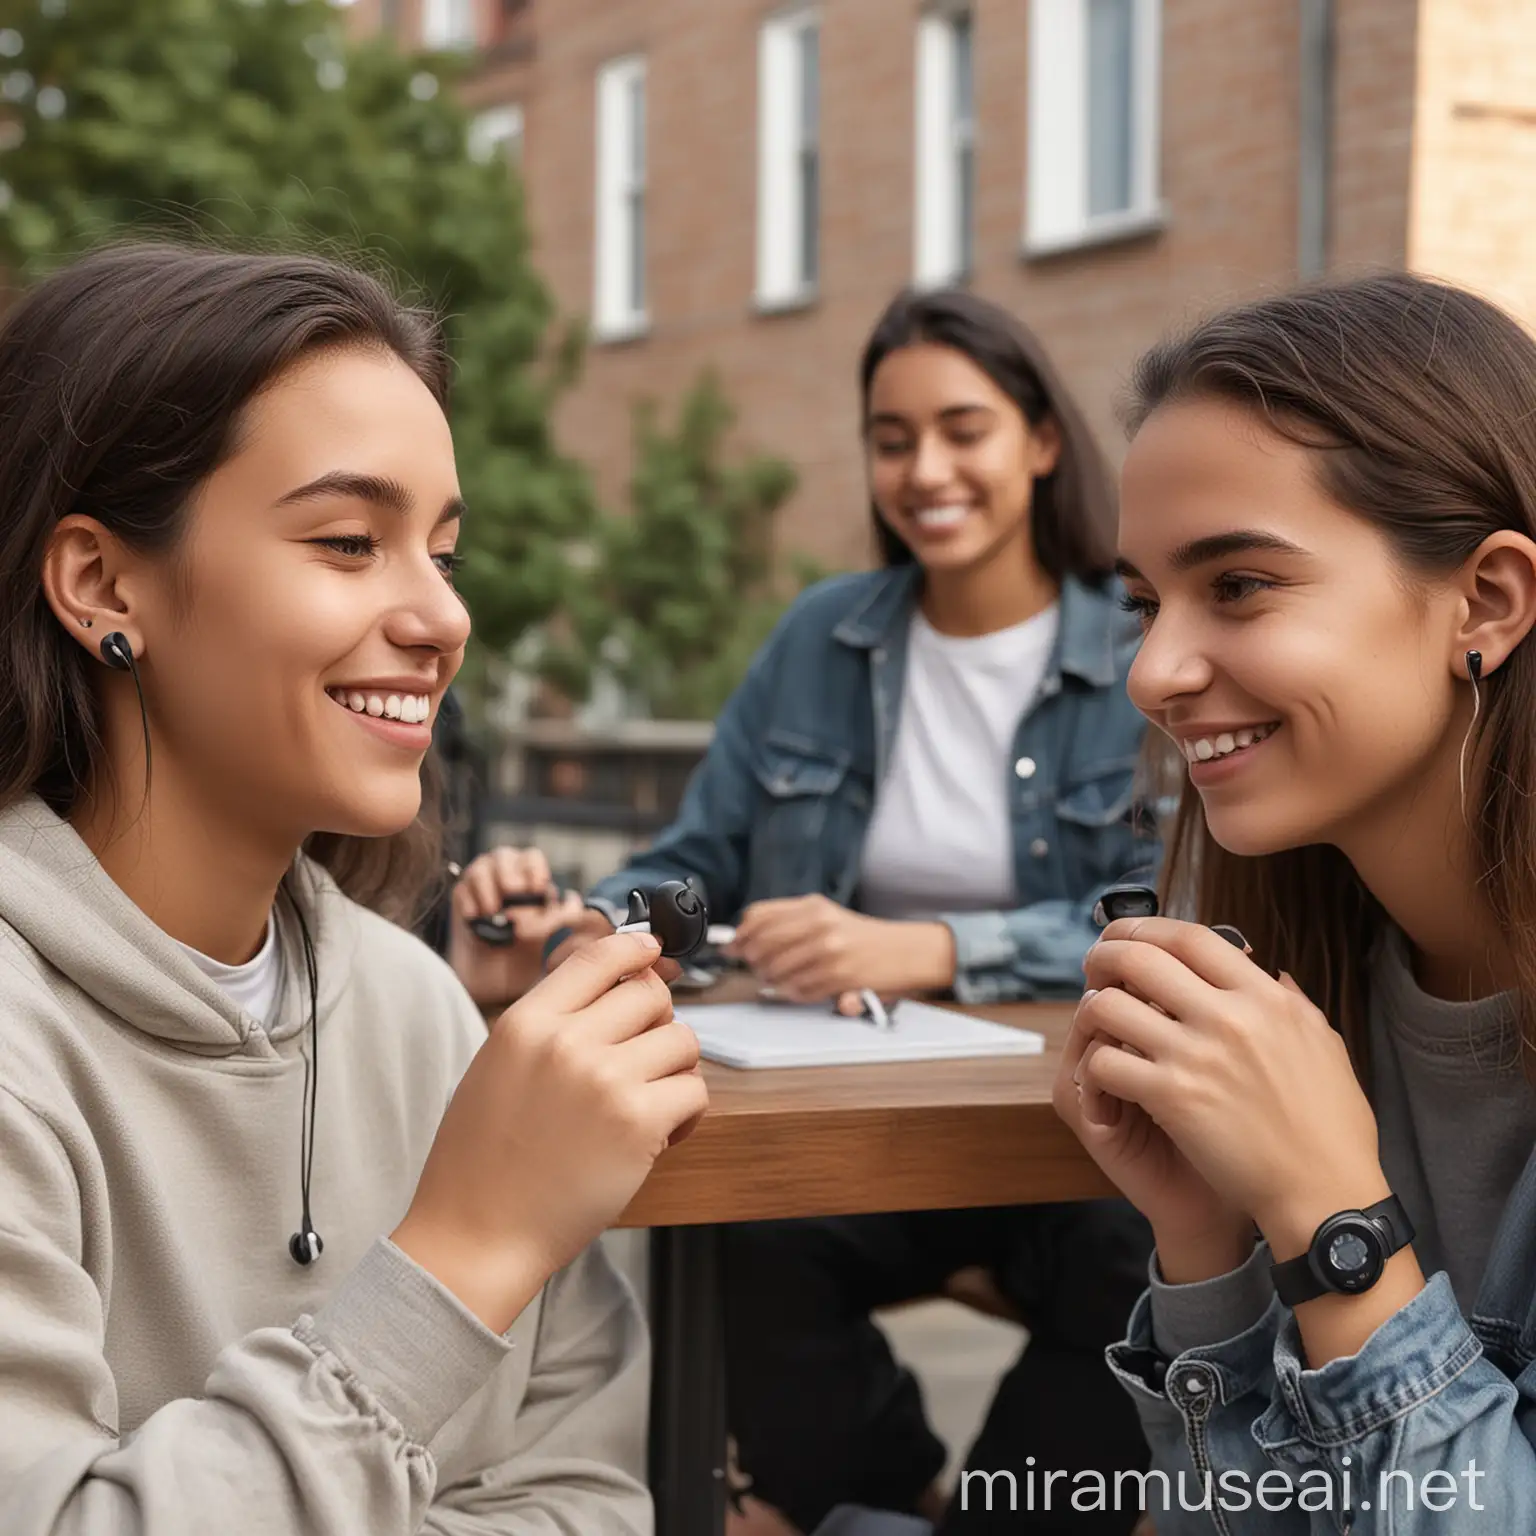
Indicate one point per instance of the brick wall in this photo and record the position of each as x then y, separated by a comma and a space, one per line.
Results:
1474, 181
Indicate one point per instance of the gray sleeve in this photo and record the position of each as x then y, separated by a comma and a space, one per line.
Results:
1210, 1311
321, 1428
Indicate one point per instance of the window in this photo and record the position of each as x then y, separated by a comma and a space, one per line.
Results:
788, 160
1093, 120
498, 131
944, 210
448, 24
619, 301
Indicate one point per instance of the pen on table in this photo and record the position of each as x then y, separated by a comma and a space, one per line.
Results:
874, 1009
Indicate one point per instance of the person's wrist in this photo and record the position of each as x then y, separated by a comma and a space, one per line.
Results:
928, 952
1290, 1221
496, 1282
1189, 1257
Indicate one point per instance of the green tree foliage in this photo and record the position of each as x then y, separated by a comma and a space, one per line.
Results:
687, 587
258, 122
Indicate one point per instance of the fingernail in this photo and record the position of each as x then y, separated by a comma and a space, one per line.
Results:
1090, 993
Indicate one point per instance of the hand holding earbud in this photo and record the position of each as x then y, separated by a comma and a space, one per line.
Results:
504, 908
578, 1089
1242, 1075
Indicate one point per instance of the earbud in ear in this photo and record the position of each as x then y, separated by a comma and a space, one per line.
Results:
1475, 665
117, 652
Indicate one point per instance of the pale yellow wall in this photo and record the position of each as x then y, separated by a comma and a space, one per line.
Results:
1472, 214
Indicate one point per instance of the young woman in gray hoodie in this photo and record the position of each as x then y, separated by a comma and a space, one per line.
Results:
289, 1242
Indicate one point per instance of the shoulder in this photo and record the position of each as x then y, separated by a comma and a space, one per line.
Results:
814, 617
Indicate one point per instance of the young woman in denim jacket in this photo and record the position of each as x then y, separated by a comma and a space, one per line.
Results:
1328, 512
863, 832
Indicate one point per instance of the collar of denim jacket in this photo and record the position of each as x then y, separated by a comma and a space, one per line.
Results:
1085, 638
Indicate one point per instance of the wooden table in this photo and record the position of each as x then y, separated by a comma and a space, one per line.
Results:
825, 1141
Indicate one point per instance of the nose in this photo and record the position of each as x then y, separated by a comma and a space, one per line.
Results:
1170, 664
428, 614
932, 463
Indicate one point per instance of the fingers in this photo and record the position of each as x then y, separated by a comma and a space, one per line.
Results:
661, 1052
674, 1105
794, 970
1098, 1107
771, 924
850, 1005
534, 925
593, 970
1151, 973
1115, 1015
1106, 1072
1212, 958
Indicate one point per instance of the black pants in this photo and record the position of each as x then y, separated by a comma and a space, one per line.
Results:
823, 1414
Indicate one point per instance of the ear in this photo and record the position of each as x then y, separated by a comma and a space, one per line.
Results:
1044, 446
1498, 586
84, 567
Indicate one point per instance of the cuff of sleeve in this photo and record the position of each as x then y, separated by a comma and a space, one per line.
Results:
1412, 1356
1189, 1316
405, 1338
1233, 1366
985, 952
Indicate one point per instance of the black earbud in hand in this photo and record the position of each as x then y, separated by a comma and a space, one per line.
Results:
675, 914
1141, 901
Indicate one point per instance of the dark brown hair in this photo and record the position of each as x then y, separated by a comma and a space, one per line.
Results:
124, 380
1073, 513
1418, 401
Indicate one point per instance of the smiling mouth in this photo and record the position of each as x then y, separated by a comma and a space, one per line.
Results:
1210, 749
406, 709
938, 518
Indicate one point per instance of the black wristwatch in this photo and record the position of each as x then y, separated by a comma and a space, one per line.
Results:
1348, 1253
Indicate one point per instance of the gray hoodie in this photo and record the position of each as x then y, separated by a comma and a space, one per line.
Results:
165, 1367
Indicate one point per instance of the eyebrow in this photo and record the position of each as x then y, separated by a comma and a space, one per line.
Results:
949, 413
381, 490
1218, 546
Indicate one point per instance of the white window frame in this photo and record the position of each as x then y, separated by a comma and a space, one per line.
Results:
943, 247
783, 148
447, 24
619, 300
1056, 200
497, 131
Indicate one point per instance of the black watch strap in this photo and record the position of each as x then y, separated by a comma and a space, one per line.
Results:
1308, 1276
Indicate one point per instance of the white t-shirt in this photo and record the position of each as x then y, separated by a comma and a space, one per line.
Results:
941, 837
254, 985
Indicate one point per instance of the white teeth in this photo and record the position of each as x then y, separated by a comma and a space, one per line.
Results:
1205, 748
940, 517
408, 708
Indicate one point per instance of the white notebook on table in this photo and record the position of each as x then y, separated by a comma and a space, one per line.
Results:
788, 1035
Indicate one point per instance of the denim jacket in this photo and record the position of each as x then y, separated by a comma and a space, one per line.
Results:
1434, 1404
783, 799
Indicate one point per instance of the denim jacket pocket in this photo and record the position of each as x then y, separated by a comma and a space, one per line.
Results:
813, 814
1095, 809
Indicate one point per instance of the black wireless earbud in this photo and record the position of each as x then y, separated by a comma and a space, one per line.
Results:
1475, 665
675, 914
1124, 901
1141, 901
117, 652
501, 933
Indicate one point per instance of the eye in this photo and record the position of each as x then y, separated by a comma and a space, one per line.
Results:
1233, 589
357, 546
448, 564
1145, 608
888, 448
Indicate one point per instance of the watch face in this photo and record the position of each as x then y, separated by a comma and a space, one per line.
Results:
1351, 1253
